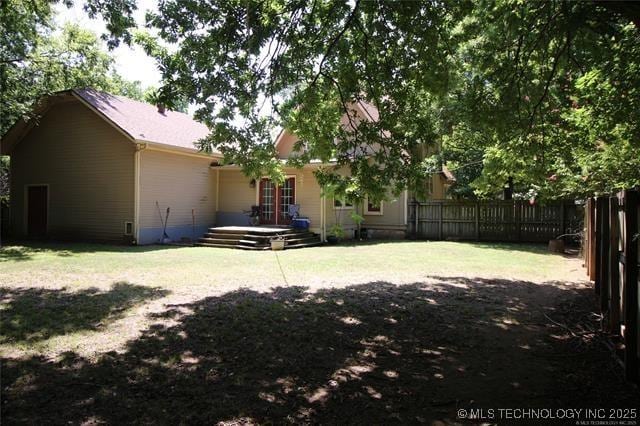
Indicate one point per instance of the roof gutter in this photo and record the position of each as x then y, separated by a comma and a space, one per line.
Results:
155, 146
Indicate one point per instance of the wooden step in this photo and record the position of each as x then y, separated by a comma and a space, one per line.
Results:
203, 244
302, 245
303, 240
223, 236
223, 241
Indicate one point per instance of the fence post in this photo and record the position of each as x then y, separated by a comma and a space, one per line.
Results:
440, 221
604, 257
562, 224
416, 212
477, 217
614, 275
517, 208
630, 296
592, 239
598, 246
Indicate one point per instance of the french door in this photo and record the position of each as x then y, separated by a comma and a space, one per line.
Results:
275, 201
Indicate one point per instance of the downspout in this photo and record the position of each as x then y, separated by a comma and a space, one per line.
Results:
217, 192
406, 206
136, 190
323, 221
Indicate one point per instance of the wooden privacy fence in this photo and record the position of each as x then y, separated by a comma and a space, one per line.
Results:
612, 246
512, 220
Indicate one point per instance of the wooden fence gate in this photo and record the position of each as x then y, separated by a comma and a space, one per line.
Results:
611, 251
512, 220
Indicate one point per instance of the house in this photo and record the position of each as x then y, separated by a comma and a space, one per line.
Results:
95, 166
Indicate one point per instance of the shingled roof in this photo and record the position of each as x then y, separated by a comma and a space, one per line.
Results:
143, 122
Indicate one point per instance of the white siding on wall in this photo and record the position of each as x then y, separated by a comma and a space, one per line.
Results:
88, 166
180, 182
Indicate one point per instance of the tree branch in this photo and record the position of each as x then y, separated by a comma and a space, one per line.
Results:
335, 41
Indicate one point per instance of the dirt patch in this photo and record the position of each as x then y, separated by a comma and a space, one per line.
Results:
370, 353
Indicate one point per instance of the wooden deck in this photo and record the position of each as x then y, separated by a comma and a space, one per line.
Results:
257, 237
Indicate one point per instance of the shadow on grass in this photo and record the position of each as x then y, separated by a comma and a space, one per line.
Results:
537, 248
21, 251
373, 353
34, 314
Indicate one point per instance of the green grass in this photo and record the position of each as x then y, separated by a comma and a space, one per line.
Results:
93, 298
375, 333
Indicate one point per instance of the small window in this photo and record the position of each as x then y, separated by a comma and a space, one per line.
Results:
128, 228
341, 204
430, 185
372, 208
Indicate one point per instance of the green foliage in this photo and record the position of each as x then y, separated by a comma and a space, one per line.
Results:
558, 99
543, 92
36, 60
337, 231
255, 65
357, 219
70, 58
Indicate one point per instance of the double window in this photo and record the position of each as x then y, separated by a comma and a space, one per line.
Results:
370, 208
341, 204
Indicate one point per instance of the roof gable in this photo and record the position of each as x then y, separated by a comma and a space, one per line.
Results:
139, 121
143, 122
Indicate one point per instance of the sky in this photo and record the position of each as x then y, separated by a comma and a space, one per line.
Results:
132, 63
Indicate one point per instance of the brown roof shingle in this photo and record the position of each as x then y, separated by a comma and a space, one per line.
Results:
143, 122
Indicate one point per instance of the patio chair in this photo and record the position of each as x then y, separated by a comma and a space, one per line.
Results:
294, 211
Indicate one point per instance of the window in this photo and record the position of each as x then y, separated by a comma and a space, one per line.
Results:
341, 204
372, 208
430, 186
128, 228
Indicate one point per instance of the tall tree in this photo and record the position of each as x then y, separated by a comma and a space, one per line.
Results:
523, 80
253, 65
557, 96
72, 57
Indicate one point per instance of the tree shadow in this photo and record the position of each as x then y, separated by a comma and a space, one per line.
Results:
537, 248
35, 314
366, 354
26, 250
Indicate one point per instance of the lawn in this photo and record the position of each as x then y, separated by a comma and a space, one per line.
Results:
377, 332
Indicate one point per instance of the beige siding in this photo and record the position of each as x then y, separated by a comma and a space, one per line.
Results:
286, 143
393, 215
181, 182
308, 195
236, 195
89, 167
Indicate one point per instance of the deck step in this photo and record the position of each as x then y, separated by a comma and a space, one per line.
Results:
223, 235
302, 245
310, 238
257, 238
223, 241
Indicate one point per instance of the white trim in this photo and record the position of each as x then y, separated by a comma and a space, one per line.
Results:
279, 138
190, 152
344, 205
137, 162
366, 211
26, 206
406, 207
322, 227
217, 190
